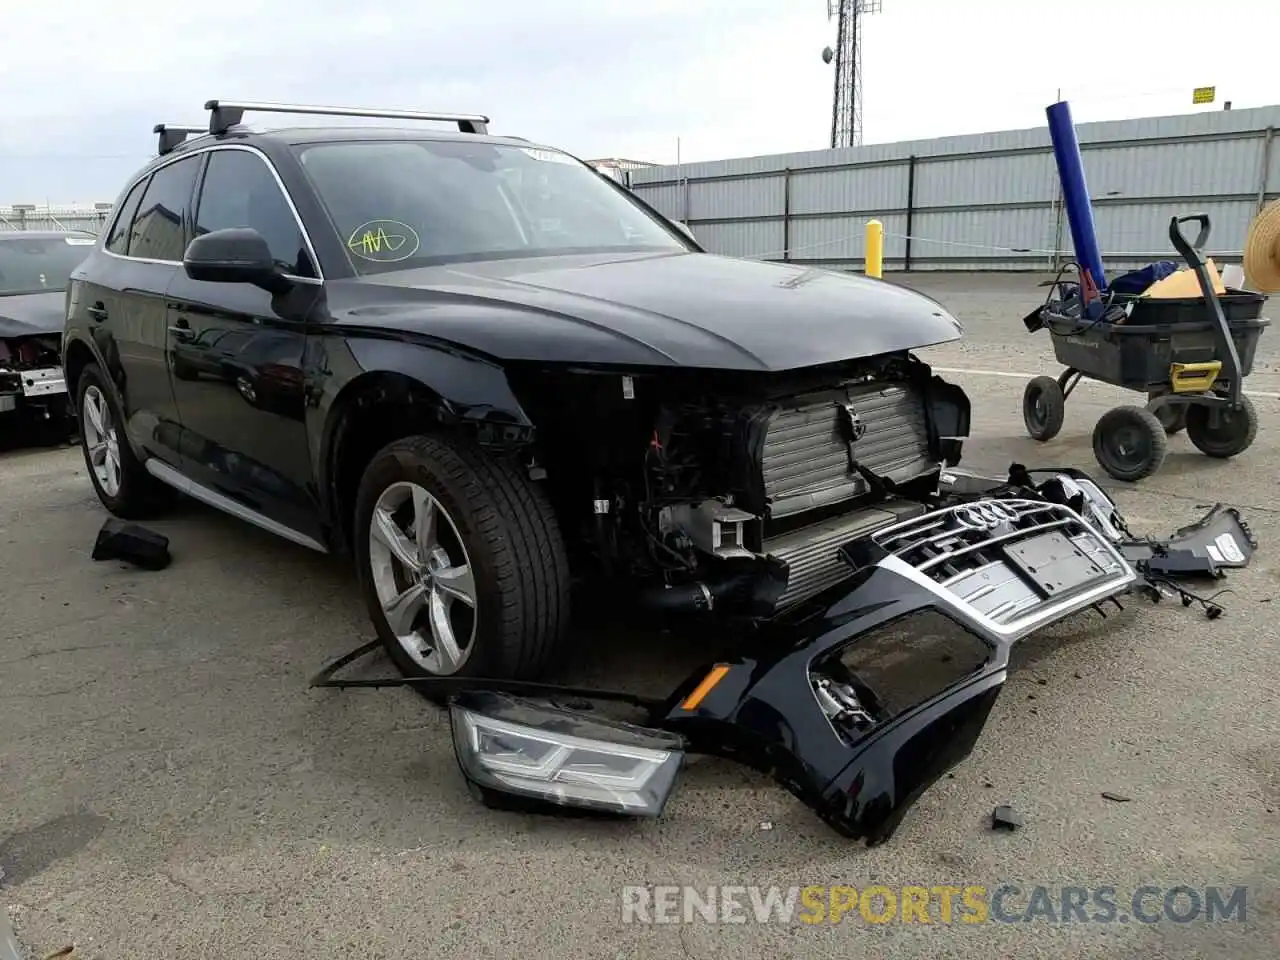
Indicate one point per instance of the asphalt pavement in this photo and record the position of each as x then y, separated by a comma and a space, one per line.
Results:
170, 787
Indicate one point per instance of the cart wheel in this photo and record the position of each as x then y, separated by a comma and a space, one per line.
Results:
1234, 432
1044, 408
1129, 443
1172, 416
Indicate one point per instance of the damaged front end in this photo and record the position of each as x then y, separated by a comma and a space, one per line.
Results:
861, 702
31, 377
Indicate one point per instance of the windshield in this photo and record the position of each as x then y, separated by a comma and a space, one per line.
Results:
400, 204
39, 264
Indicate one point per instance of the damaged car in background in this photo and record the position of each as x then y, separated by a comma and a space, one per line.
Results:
506, 385
34, 271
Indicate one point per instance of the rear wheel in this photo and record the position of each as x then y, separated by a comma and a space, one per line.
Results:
461, 562
1233, 432
118, 477
1129, 443
1172, 416
1044, 408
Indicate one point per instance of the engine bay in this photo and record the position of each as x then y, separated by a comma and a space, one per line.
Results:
734, 493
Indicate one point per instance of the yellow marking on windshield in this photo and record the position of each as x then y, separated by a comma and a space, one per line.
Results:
383, 241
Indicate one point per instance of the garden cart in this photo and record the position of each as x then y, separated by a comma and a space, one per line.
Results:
1188, 355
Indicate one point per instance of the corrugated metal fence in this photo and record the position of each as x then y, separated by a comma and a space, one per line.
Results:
87, 217
987, 201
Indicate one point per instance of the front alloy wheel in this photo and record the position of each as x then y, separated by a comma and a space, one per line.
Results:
461, 562
422, 576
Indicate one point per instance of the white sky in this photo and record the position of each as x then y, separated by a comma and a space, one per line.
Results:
81, 84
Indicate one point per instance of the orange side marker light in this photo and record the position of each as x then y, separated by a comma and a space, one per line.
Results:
701, 690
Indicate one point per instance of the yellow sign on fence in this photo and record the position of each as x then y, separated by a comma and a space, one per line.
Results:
1204, 94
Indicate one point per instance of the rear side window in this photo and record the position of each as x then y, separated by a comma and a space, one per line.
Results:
118, 238
240, 191
159, 230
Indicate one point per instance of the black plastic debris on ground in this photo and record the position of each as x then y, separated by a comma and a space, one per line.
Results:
1004, 818
133, 544
1114, 797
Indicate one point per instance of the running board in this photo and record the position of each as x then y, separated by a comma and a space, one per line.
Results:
183, 484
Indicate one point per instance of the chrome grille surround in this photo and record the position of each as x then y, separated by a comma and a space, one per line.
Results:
1009, 566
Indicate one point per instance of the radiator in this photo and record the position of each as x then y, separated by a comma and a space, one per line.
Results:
804, 458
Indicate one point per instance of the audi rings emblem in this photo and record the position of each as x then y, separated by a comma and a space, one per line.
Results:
984, 515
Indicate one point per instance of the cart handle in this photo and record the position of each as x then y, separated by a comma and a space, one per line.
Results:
1193, 253
1224, 343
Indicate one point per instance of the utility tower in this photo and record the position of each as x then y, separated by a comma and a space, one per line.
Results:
846, 104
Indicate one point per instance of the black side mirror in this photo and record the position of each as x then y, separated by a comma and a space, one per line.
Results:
234, 255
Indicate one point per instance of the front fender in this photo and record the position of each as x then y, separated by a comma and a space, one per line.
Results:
470, 390
460, 391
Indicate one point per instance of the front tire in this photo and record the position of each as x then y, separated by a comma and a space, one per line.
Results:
118, 477
1130, 443
461, 562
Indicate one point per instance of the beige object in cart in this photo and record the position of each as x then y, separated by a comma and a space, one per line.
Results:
1184, 283
1262, 250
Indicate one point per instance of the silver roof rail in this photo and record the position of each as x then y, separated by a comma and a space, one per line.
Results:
224, 114
171, 135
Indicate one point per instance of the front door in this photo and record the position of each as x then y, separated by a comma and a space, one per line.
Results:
236, 354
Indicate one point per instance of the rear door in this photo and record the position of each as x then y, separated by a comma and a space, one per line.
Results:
237, 352
124, 301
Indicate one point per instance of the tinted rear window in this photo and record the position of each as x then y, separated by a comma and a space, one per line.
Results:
159, 230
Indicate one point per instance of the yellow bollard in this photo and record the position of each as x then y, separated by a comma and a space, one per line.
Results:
875, 249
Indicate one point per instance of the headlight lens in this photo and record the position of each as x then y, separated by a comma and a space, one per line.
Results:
542, 752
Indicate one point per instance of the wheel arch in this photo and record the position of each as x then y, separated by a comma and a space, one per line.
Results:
402, 389
76, 355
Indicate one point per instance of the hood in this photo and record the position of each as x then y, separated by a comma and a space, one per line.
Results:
685, 309
28, 314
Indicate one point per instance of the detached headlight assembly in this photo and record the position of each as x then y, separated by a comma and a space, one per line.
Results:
517, 753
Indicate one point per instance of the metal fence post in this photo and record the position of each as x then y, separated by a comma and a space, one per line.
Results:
786, 214
911, 209
1265, 174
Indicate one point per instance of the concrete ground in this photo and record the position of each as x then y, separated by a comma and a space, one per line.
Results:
170, 788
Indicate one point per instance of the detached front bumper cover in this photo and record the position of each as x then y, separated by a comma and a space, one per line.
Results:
829, 705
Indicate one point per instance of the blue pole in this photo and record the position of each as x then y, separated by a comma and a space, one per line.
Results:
1075, 193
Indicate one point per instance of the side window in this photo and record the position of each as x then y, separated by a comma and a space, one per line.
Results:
118, 238
159, 229
241, 191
